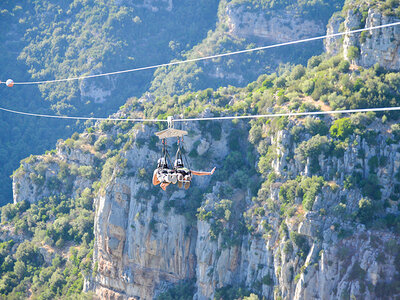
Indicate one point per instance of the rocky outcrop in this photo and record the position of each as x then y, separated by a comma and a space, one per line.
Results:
245, 263
139, 248
96, 93
282, 26
338, 258
43, 176
144, 244
154, 248
383, 46
379, 46
333, 44
341, 258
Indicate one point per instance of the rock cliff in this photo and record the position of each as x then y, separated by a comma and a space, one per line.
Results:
135, 226
243, 25
146, 241
282, 26
368, 48
319, 220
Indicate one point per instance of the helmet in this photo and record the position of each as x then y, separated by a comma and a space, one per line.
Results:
178, 163
162, 163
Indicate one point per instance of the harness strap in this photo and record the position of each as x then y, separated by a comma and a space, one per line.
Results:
183, 157
165, 154
179, 151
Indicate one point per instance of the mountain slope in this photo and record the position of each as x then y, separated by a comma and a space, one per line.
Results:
248, 24
43, 40
298, 207
320, 225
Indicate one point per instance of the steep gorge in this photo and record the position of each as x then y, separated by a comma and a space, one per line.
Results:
319, 220
143, 245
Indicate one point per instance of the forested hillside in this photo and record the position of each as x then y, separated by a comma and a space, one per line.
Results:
304, 197
298, 208
247, 24
45, 40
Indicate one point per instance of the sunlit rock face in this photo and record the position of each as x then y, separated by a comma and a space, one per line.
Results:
378, 46
283, 26
142, 247
139, 248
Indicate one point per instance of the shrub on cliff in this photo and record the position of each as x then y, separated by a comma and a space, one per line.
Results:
341, 128
365, 211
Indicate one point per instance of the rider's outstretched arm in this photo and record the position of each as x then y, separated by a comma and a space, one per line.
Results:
199, 173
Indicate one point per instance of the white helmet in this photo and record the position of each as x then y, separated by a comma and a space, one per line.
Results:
178, 163
161, 162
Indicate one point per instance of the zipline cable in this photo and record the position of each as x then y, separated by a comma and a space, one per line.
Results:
77, 118
211, 56
312, 113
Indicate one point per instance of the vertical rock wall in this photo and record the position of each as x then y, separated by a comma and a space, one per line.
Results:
379, 46
138, 248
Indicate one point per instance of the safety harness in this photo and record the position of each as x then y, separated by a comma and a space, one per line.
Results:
165, 156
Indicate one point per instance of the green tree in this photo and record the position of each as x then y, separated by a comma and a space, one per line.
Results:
20, 269
28, 253
311, 187
353, 52
87, 172
365, 210
341, 128
312, 148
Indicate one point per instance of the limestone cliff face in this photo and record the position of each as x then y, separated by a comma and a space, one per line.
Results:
283, 26
138, 247
340, 260
97, 93
141, 249
144, 244
371, 47
333, 44
39, 177
245, 263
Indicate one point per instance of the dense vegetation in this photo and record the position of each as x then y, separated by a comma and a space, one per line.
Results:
296, 89
113, 37
244, 68
61, 225
301, 89
57, 227
388, 7
44, 40
318, 9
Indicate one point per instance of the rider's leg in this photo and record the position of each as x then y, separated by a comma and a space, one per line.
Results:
187, 185
188, 179
155, 177
164, 185
180, 179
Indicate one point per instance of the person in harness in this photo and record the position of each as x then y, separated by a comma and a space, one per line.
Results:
184, 174
163, 175
180, 174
